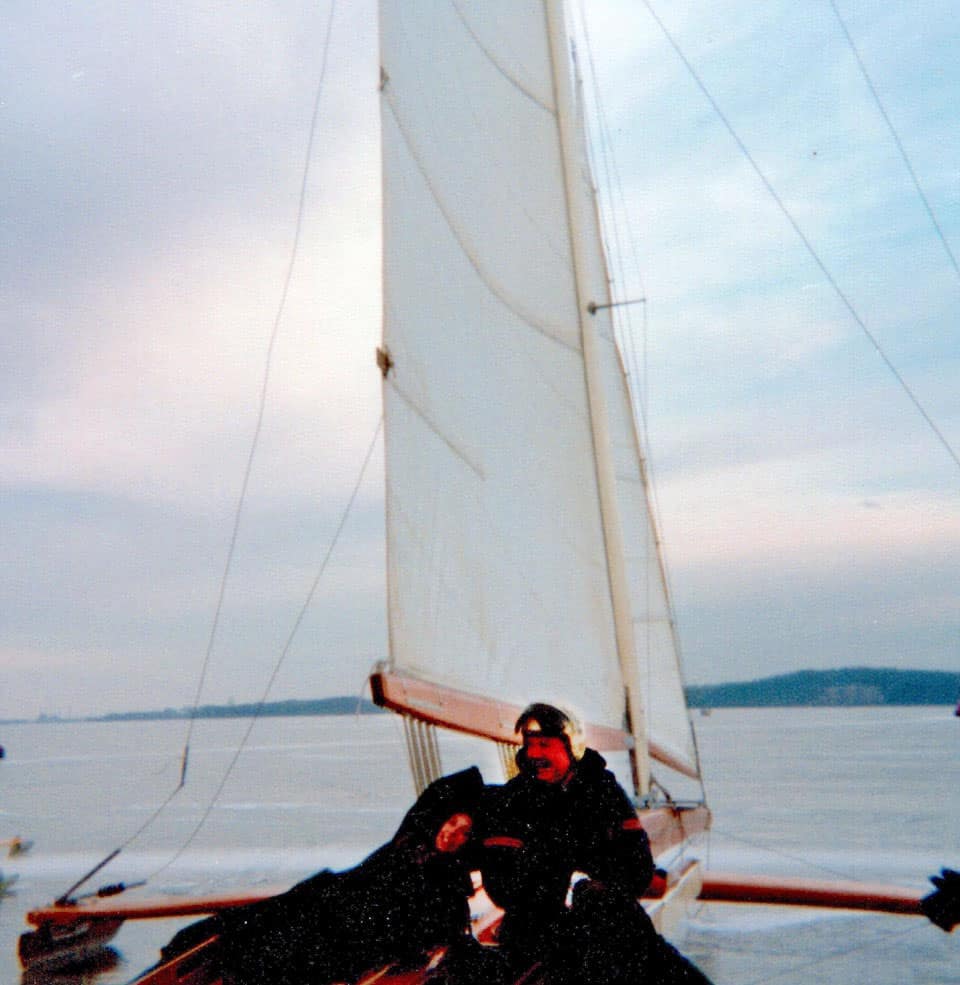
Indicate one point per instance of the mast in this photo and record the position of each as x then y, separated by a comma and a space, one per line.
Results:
583, 221
517, 520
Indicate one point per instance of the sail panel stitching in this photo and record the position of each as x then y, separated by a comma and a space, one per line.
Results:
550, 332
435, 428
496, 64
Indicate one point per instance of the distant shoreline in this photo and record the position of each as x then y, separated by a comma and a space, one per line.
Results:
270, 709
851, 686
832, 688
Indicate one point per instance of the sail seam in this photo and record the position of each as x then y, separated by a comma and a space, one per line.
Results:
547, 331
476, 469
500, 69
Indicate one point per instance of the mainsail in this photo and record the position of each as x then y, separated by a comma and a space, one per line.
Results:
522, 558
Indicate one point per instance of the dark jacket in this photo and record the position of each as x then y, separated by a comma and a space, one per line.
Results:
394, 906
401, 901
533, 836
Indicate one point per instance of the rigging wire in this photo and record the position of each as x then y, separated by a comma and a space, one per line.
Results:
882, 939
635, 363
265, 384
611, 178
301, 615
621, 322
896, 139
789, 856
788, 215
248, 470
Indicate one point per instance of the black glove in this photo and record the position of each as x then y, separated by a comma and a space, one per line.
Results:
943, 905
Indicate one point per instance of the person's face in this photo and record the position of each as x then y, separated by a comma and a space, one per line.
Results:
547, 757
453, 833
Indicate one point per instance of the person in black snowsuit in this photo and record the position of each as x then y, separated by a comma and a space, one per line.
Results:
565, 813
406, 898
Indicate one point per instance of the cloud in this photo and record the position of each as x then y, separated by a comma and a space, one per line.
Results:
150, 192
143, 321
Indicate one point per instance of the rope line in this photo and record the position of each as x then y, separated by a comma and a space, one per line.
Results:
896, 139
264, 387
634, 356
788, 215
882, 939
248, 470
254, 718
785, 855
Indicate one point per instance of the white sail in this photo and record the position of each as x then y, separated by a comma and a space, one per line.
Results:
521, 562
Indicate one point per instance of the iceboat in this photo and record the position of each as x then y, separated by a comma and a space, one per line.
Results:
523, 555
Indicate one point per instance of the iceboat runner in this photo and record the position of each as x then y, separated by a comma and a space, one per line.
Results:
521, 544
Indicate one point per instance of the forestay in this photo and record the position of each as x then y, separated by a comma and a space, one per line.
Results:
522, 561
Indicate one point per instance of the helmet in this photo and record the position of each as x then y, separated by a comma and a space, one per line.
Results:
550, 721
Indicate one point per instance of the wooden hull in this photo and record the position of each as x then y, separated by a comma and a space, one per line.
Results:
133, 908
89, 924
199, 966
70, 933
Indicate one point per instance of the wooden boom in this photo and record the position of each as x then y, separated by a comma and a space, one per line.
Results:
487, 718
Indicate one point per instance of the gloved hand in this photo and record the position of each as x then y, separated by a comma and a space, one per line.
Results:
586, 891
943, 905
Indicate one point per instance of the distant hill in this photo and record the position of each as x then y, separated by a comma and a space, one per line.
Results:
850, 686
271, 709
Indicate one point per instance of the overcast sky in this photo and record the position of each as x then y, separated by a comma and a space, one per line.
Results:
152, 161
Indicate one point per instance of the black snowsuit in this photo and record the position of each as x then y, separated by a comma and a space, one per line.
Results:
400, 902
533, 837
